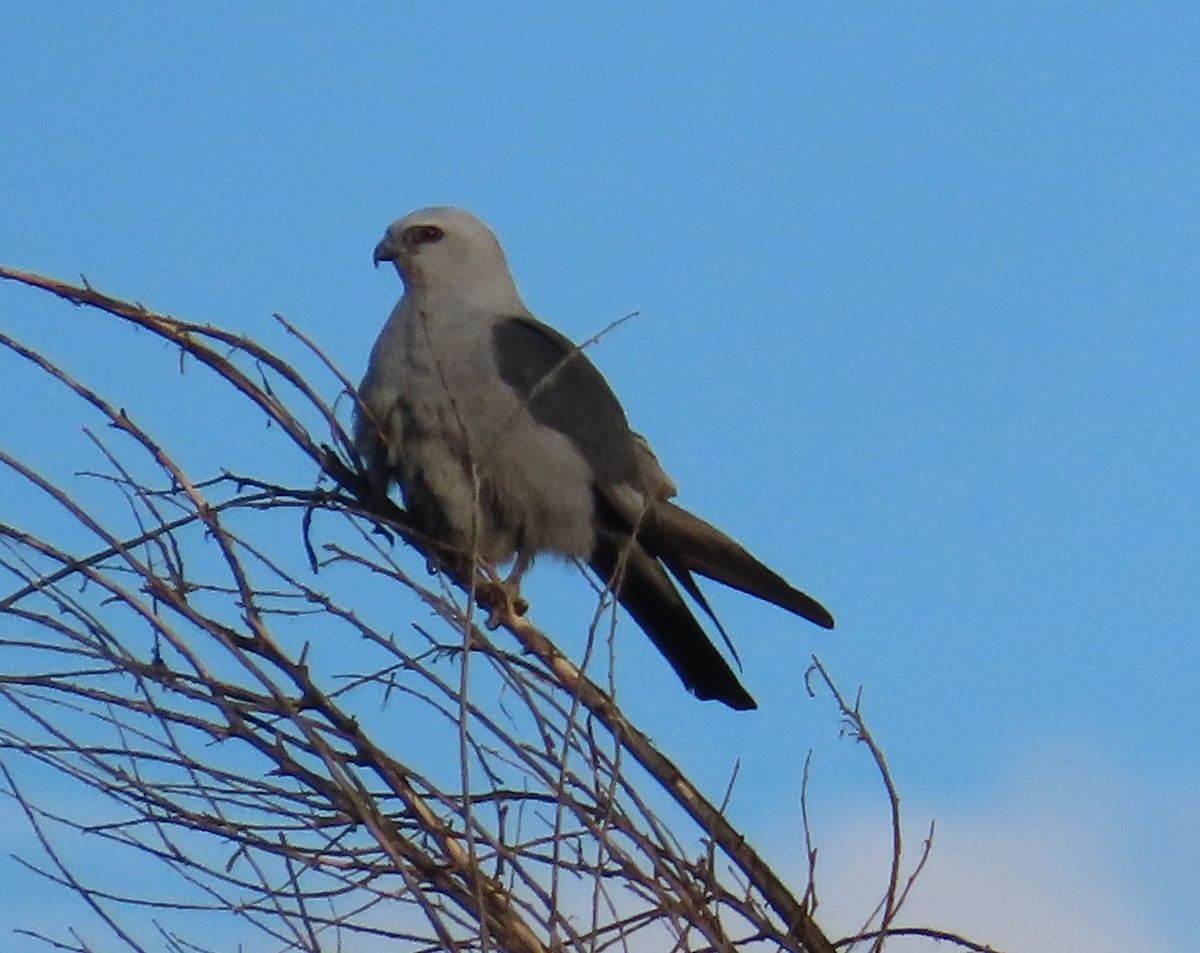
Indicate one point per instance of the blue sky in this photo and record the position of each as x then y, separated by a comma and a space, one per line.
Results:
917, 297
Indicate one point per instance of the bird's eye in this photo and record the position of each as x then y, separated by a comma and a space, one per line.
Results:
423, 234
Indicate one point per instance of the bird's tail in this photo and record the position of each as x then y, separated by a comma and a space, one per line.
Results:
643, 587
686, 542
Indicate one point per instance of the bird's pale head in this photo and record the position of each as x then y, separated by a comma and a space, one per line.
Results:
446, 251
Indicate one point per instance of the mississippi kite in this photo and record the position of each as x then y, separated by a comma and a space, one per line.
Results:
506, 442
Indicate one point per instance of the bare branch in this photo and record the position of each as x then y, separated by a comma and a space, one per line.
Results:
209, 679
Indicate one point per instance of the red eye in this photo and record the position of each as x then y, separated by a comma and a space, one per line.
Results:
423, 235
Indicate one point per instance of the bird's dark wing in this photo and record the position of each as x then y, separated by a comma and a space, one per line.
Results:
564, 391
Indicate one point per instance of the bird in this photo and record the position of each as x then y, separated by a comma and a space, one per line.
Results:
506, 443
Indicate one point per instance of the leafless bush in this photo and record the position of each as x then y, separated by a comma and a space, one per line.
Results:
201, 703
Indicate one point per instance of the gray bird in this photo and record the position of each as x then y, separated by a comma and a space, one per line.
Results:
506, 442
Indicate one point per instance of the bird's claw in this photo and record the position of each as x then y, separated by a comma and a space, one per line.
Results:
502, 598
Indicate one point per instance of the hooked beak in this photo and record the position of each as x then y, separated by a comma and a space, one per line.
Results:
384, 251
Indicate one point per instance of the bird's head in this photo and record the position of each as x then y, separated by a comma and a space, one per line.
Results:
444, 250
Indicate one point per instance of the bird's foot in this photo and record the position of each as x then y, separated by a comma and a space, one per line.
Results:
501, 597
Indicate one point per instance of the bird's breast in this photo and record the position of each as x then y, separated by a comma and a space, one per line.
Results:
469, 438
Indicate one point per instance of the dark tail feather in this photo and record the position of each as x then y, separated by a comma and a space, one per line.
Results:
686, 540
645, 590
684, 577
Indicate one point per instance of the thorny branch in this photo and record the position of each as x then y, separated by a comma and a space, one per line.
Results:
279, 752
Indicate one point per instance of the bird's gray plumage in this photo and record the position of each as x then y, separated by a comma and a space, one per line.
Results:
507, 442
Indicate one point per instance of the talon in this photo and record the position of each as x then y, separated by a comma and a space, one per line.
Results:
501, 597
497, 616
502, 603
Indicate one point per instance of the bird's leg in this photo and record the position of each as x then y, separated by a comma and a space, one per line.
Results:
513, 581
504, 594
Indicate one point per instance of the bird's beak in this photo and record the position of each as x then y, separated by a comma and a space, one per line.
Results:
384, 251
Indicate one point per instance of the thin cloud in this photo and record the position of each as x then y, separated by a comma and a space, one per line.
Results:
1050, 863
